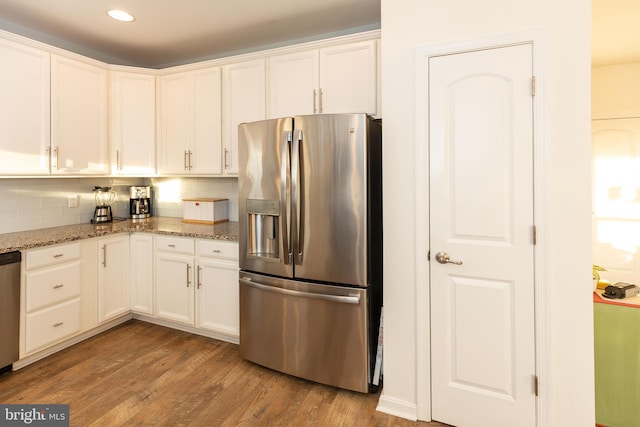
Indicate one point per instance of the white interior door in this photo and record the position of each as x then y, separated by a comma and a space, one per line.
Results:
481, 214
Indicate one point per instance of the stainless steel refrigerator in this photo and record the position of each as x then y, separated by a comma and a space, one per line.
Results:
310, 208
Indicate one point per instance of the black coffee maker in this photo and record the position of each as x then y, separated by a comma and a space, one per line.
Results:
140, 202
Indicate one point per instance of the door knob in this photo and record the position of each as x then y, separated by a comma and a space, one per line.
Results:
443, 258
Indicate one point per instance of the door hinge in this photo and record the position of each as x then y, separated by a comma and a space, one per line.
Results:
534, 234
533, 85
535, 384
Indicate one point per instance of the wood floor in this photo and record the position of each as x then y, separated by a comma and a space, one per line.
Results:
140, 374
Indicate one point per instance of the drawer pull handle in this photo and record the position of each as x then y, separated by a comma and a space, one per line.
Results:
58, 255
172, 246
55, 325
58, 286
216, 251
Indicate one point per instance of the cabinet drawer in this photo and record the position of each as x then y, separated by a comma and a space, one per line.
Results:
52, 285
52, 255
218, 249
175, 245
52, 324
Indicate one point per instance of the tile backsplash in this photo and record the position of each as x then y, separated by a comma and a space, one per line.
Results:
31, 203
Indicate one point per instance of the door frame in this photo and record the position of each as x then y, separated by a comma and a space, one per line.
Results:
539, 41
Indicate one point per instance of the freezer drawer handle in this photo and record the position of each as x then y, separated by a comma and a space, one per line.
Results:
353, 299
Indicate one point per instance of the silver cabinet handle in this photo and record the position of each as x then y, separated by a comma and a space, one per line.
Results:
216, 251
314, 102
190, 161
226, 158
104, 256
320, 100
351, 299
117, 159
55, 325
55, 151
184, 160
443, 258
198, 278
188, 275
172, 245
58, 286
58, 255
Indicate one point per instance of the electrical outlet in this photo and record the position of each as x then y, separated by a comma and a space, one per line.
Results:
73, 201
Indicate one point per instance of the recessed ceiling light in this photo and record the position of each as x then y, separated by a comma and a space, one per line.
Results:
120, 15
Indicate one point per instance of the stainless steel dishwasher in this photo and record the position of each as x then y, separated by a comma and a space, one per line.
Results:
9, 309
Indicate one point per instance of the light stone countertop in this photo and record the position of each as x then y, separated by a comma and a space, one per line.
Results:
22, 240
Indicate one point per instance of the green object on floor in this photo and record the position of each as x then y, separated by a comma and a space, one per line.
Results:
617, 365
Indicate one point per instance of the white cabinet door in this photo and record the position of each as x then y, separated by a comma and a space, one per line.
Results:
175, 287
175, 120
141, 273
190, 123
113, 277
217, 296
244, 98
207, 126
132, 108
293, 84
348, 78
78, 117
336, 79
24, 110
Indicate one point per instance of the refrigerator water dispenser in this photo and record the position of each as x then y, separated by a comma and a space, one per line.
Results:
263, 228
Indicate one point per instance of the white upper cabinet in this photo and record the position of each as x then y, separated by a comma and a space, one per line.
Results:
190, 123
293, 84
132, 121
244, 100
337, 79
24, 110
78, 117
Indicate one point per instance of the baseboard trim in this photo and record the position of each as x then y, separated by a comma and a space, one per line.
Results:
398, 408
187, 328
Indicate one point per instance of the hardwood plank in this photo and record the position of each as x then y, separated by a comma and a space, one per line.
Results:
141, 374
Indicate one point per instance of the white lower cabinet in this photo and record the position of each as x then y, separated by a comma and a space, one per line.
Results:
197, 283
174, 285
52, 290
113, 277
141, 273
52, 324
217, 295
72, 289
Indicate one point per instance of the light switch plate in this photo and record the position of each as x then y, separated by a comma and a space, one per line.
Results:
73, 201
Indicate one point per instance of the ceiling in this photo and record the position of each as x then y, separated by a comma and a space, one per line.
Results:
172, 32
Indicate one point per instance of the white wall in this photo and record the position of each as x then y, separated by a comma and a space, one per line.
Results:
615, 91
567, 385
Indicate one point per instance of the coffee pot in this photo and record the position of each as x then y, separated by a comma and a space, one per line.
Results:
104, 198
140, 202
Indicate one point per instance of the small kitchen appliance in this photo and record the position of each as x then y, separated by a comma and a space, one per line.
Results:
140, 202
104, 197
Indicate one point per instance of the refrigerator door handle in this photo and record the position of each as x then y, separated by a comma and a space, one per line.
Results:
351, 299
285, 178
298, 197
